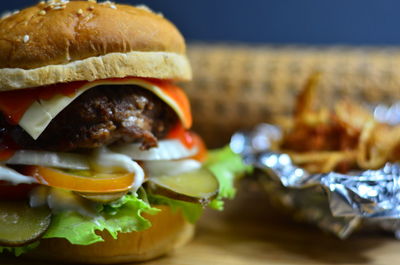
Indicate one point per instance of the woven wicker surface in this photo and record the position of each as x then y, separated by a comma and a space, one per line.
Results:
237, 87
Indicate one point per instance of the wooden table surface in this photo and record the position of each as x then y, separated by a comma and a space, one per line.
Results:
248, 232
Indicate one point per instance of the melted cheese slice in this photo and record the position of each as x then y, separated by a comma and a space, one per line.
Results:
39, 115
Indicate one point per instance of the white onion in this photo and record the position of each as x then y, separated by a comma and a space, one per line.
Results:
170, 168
166, 150
10, 175
49, 159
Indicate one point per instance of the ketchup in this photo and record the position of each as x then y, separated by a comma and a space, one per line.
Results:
181, 134
14, 103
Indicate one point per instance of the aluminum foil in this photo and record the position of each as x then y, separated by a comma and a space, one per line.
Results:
335, 202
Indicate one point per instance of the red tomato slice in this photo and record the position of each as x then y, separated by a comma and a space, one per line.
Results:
94, 183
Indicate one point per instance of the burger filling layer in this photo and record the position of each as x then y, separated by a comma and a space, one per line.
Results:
102, 115
84, 157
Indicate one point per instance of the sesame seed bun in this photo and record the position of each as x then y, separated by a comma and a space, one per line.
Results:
169, 231
82, 40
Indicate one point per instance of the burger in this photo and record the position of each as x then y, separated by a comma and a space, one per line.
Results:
98, 164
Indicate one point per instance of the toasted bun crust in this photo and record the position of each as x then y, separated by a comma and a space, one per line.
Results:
81, 40
169, 230
160, 65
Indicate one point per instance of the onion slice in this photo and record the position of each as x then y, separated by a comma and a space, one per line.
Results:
166, 150
49, 159
12, 176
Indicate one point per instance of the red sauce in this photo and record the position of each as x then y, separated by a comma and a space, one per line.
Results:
6, 154
14, 103
183, 135
178, 95
7, 147
8, 191
190, 140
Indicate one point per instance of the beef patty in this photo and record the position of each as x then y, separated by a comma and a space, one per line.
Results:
101, 116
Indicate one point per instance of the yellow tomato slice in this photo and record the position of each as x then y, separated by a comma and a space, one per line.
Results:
94, 183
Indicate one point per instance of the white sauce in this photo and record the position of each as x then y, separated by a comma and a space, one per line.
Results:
38, 196
105, 161
59, 200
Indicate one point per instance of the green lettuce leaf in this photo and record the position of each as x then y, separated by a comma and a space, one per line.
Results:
122, 216
191, 211
227, 167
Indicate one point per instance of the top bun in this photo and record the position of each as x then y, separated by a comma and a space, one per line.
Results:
62, 41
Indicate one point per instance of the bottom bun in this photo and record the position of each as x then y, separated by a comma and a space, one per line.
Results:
169, 231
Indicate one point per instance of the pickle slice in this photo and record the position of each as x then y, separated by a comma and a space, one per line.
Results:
20, 224
195, 186
103, 197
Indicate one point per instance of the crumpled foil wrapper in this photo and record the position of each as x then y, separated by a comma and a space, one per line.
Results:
337, 203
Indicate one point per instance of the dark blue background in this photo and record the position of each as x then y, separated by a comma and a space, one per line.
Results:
278, 21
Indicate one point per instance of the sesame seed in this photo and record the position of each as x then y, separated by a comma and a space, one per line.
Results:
42, 12
25, 39
58, 7
107, 3
53, 3
80, 11
145, 8
113, 6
